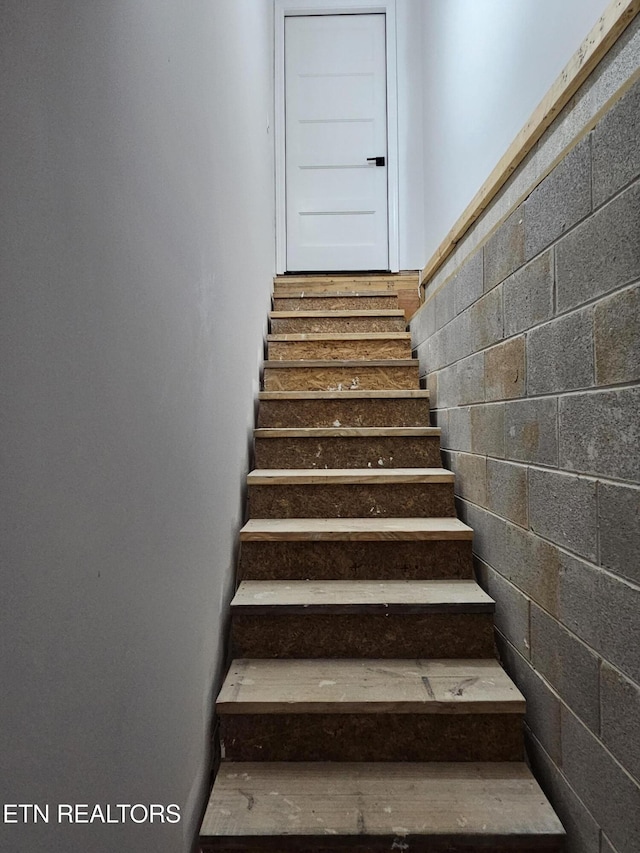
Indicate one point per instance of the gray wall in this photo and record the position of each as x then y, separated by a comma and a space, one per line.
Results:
137, 255
530, 343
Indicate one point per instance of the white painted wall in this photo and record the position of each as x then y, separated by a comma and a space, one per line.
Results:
136, 260
487, 65
410, 133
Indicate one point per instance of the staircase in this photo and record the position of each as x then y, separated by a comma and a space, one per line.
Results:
364, 709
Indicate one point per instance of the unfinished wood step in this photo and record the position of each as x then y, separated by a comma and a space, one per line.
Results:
381, 408
350, 493
336, 301
364, 346
359, 282
355, 548
365, 710
337, 375
370, 807
356, 619
348, 447
297, 322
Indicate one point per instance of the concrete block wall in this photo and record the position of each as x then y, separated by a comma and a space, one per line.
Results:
529, 340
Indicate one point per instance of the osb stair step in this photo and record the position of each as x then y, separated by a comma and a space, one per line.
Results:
370, 710
296, 322
416, 807
335, 301
355, 619
348, 447
341, 375
355, 548
332, 345
381, 408
350, 493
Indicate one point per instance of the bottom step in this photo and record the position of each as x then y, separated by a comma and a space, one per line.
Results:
457, 808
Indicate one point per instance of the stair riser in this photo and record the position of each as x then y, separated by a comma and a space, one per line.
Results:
400, 377
372, 737
280, 414
391, 500
367, 349
358, 635
378, 560
334, 303
339, 325
343, 452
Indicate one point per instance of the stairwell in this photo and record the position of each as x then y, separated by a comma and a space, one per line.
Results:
364, 708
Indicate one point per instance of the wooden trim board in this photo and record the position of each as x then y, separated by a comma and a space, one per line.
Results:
345, 395
347, 432
610, 26
353, 529
368, 686
347, 476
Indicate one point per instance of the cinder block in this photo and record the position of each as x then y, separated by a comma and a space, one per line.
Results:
560, 354
601, 783
445, 308
616, 153
617, 337
471, 477
485, 320
468, 282
431, 383
602, 611
568, 665
601, 254
504, 370
512, 607
527, 561
562, 508
543, 707
507, 491
619, 523
462, 383
620, 702
458, 434
560, 201
528, 295
487, 429
458, 340
504, 251
600, 433
583, 833
423, 323
531, 431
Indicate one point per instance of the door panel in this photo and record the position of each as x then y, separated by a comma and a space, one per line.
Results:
335, 94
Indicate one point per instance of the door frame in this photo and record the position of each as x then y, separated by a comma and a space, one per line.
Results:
286, 8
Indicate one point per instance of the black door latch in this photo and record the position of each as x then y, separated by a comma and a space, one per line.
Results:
378, 160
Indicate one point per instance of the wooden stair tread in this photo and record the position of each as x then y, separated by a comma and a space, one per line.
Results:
360, 529
352, 363
384, 803
345, 395
347, 432
347, 476
333, 686
339, 336
338, 312
297, 292
412, 595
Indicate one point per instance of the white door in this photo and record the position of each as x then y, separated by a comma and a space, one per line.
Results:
336, 121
